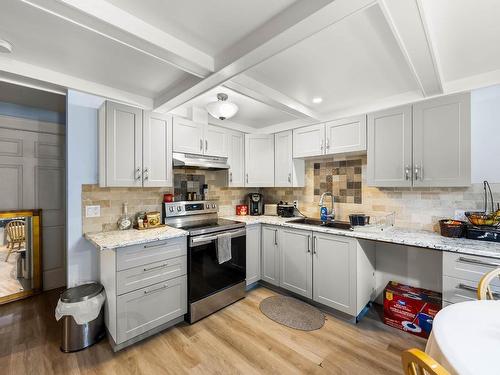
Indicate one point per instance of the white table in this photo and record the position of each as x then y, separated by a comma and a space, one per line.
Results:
465, 338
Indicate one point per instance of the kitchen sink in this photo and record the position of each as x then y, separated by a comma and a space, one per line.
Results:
329, 224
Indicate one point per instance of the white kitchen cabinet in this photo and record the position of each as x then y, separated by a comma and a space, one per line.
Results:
390, 148
135, 147
309, 141
270, 255
288, 172
442, 141
296, 268
201, 139
157, 150
253, 254
259, 160
236, 159
215, 141
346, 135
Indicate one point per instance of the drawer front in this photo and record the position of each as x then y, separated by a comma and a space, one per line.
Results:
143, 276
139, 255
457, 290
147, 308
469, 267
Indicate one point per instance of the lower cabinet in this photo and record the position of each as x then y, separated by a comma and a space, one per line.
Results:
296, 263
253, 258
270, 255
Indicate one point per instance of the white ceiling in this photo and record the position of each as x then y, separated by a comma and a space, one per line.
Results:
210, 26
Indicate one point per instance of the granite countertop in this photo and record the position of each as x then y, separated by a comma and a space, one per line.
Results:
417, 238
121, 238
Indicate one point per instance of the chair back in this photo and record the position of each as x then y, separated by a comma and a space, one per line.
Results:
416, 362
15, 230
483, 289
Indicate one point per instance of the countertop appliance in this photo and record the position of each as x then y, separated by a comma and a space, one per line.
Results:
211, 286
286, 210
271, 209
255, 204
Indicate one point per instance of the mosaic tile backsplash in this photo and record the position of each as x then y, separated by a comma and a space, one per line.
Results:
341, 177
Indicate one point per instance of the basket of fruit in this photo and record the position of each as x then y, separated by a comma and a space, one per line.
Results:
452, 228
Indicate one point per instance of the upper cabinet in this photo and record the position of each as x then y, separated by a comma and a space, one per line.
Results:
195, 138
259, 160
334, 137
288, 172
236, 158
135, 147
427, 144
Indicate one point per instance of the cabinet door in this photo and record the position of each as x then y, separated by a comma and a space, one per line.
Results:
157, 150
270, 255
442, 141
309, 141
236, 159
334, 264
259, 160
253, 254
188, 136
283, 168
296, 261
390, 147
123, 145
346, 135
215, 141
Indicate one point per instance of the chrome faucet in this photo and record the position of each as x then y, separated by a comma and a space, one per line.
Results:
330, 215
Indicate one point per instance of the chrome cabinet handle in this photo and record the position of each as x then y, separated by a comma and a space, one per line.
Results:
321, 145
201, 144
206, 144
138, 174
276, 237
155, 245
146, 174
416, 172
315, 243
328, 143
480, 262
407, 172
156, 290
230, 176
146, 269
247, 177
473, 289
419, 173
289, 177
309, 243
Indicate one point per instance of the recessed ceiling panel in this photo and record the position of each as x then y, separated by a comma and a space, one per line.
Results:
210, 26
351, 63
465, 34
47, 41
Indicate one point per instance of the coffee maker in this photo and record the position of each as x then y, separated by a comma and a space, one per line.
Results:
255, 204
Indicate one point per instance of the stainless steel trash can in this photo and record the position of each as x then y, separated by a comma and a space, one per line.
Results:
80, 336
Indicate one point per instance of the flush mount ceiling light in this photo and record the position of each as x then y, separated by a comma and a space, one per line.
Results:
317, 100
222, 108
5, 47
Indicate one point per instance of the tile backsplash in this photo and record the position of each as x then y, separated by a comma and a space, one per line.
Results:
341, 177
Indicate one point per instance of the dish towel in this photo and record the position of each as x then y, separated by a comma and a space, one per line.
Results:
224, 247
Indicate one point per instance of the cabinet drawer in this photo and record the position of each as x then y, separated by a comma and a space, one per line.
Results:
469, 267
148, 308
457, 290
139, 255
142, 276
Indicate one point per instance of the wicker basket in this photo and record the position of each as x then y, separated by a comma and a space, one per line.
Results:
455, 230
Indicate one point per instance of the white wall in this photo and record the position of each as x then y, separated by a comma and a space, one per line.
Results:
81, 142
485, 124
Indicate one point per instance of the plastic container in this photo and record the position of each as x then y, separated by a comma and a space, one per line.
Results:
452, 228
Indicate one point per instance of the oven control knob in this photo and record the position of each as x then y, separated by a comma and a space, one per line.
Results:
171, 209
179, 208
214, 206
207, 206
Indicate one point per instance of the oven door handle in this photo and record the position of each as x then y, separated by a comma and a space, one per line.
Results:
208, 238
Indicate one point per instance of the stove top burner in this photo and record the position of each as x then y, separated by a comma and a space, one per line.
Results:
198, 227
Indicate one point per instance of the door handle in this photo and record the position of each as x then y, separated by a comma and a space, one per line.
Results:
479, 262
155, 290
201, 144
309, 243
155, 245
247, 177
230, 176
146, 174
146, 269
276, 237
328, 143
315, 243
206, 144
321, 146
419, 174
138, 174
289, 177
407, 172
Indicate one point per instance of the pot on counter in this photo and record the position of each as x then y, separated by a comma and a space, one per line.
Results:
359, 219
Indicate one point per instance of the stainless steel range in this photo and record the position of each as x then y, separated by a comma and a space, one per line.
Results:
211, 285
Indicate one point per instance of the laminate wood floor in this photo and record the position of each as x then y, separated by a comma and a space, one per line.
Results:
236, 340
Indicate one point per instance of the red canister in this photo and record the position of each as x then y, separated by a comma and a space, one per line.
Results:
168, 198
241, 210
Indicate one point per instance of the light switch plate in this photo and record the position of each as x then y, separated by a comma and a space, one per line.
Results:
92, 211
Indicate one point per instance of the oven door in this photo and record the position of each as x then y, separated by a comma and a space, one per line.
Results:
206, 276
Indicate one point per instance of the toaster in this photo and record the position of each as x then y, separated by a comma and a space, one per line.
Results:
271, 209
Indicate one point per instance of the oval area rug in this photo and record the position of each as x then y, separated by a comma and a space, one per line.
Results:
292, 313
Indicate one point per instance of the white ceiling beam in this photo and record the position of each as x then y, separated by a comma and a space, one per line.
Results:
296, 23
406, 20
107, 20
254, 89
19, 68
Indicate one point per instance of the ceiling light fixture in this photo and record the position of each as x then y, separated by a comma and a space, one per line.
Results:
222, 109
317, 100
5, 47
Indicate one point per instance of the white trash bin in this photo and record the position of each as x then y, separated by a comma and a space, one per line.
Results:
82, 313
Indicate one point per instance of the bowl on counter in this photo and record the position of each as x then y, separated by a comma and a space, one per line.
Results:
452, 228
480, 218
359, 219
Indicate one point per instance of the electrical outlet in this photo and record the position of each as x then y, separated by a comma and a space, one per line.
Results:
296, 204
92, 211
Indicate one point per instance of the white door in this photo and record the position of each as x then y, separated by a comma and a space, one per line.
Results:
296, 261
283, 168
253, 259
442, 141
334, 275
346, 135
270, 255
259, 160
390, 148
215, 141
188, 136
123, 145
309, 141
157, 150
236, 159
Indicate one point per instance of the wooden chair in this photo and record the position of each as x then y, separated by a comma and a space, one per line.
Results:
483, 289
416, 362
15, 231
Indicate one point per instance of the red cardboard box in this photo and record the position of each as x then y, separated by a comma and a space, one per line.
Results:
410, 309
